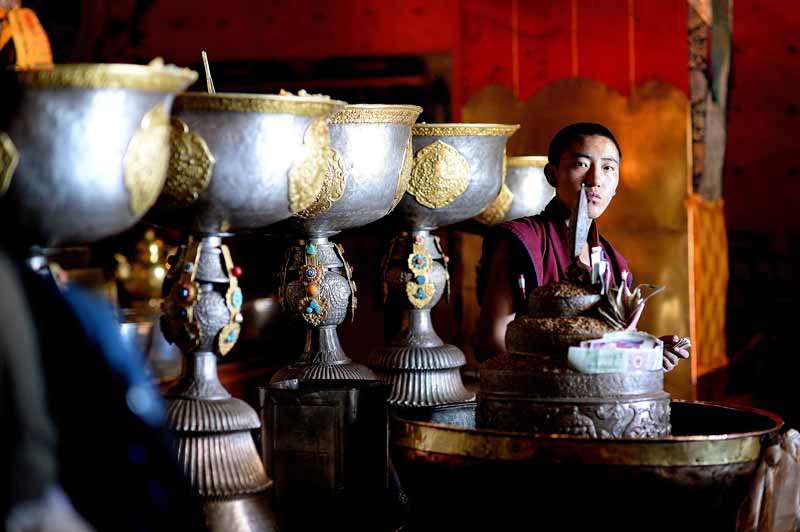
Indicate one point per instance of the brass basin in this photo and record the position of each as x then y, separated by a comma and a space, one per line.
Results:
692, 480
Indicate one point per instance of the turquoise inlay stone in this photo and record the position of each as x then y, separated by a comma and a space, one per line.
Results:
188, 267
420, 279
317, 310
311, 249
309, 310
237, 298
183, 312
232, 336
311, 272
420, 294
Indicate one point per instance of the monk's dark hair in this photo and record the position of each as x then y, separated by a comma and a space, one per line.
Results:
568, 135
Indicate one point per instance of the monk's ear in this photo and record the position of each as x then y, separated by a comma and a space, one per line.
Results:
550, 175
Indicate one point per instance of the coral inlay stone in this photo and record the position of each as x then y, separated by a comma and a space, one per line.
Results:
312, 289
237, 271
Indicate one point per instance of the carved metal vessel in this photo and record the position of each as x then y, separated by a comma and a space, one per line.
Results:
525, 191
83, 148
238, 162
368, 166
695, 479
456, 173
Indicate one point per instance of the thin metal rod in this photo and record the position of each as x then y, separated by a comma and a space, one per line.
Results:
209, 81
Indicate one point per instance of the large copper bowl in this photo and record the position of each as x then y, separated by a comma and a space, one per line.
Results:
692, 480
90, 147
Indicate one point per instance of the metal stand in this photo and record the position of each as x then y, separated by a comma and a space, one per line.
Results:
423, 370
212, 429
317, 287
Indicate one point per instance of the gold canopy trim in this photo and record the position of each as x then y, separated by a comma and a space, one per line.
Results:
377, 114
537, 161
464, 130
155, 78
257, 103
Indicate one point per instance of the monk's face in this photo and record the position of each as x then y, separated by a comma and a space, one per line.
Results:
592, 161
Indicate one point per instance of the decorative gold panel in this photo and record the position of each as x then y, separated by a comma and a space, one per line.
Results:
146, 160
191, 165
405, 174
9, 158
307, 175
439, 176
332, 186
647, 221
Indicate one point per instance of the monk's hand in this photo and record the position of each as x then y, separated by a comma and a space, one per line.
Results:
675, 349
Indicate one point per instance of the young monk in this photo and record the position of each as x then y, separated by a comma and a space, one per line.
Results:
532, 251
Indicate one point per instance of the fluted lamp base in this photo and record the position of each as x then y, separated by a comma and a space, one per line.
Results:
422, 376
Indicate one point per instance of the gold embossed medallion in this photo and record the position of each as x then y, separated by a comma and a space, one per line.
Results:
332, 186
439, 176
146, 160
191, 165
496, 212
405, 174
9, 158
307, 175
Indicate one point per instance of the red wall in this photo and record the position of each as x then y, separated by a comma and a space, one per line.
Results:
762, 168
519, 44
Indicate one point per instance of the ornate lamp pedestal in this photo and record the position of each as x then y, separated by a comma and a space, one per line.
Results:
212, 429
318, 286
238, 161
423, 369
368, 167
457, 172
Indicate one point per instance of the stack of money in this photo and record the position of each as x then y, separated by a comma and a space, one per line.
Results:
617, 352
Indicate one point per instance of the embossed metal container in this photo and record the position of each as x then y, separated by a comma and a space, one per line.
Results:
368, 168
457, 173
83, 148
244, 161
694, 479
525, 192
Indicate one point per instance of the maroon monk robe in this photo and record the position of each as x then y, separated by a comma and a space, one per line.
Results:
539, 251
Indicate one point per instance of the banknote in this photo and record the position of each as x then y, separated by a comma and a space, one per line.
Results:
615, 359
624, 340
